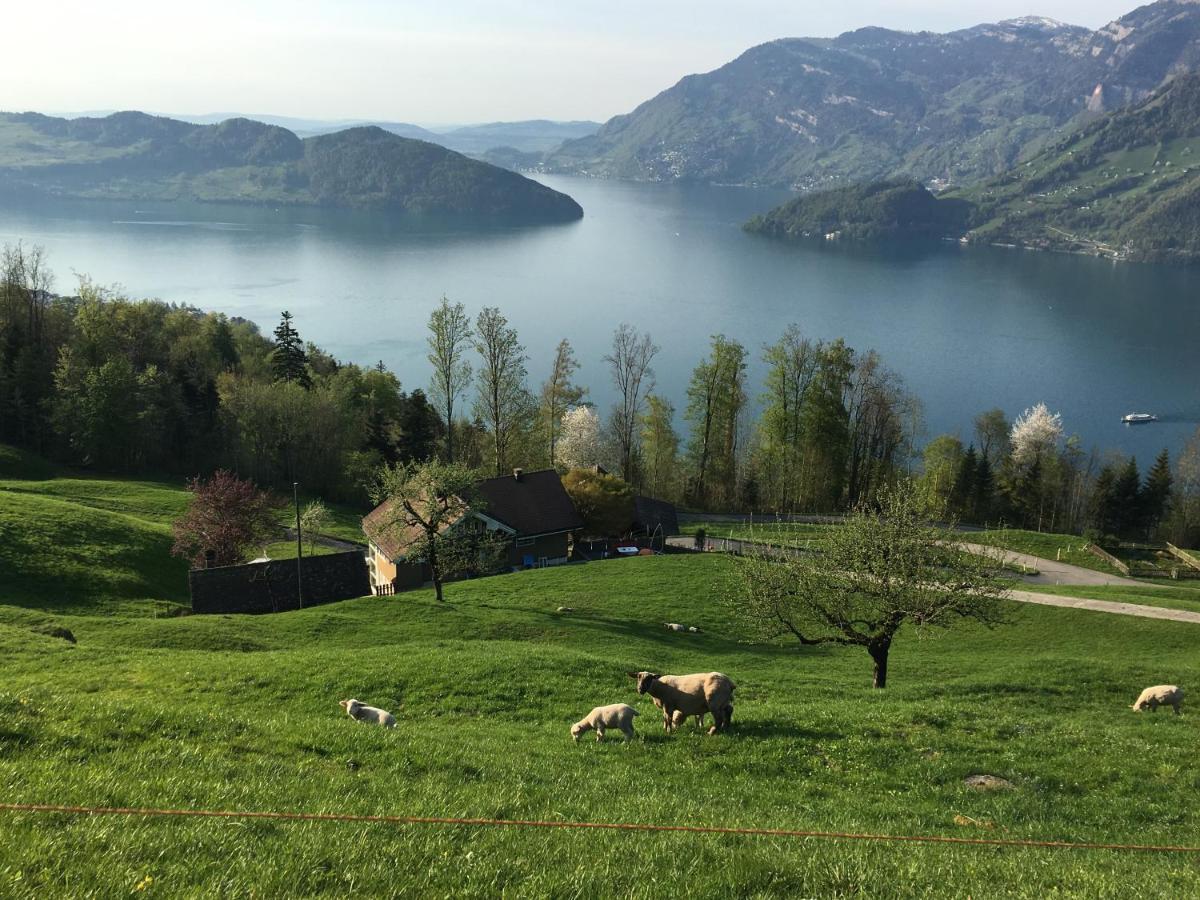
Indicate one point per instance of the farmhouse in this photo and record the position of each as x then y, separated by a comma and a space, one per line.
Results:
532, 509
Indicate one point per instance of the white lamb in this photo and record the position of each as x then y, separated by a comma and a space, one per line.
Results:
1159, 695
363, 713
673, 626
616, 715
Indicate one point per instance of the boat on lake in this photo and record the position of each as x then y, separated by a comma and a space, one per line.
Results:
1138, 418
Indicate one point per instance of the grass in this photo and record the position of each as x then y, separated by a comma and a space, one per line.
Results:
73, 543
239, 712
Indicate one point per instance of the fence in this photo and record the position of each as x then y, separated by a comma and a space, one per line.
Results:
1183, 556
271, 586
1108, 558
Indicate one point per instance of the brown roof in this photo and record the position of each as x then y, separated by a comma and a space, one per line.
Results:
536, 504
389, 533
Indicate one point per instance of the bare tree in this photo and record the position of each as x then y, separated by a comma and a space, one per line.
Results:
634, 379
879, 570
503, 402
449, 339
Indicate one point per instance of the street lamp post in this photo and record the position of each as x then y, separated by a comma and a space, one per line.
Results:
299, 547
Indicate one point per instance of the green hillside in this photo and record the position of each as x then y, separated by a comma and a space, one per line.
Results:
1127, 186
862, 212
133, 156
239, 713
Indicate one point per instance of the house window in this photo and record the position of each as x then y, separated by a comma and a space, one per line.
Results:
526, 542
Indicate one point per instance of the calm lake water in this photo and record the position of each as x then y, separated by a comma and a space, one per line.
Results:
968, 328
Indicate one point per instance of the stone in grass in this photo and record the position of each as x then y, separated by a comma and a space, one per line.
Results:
988, 783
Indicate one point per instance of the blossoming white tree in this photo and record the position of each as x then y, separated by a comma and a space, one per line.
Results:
1035, 434
579, 444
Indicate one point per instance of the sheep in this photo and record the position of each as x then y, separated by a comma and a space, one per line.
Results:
689, 695
363, 713
565, 609
673, 626
616, 715
1159, 695
694, 630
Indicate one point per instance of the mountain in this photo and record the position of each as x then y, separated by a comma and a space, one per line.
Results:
131, 155
865, 211
532, 136
529, 136
1126, 186
945, 109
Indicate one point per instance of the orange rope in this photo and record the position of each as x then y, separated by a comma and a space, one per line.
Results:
611, 826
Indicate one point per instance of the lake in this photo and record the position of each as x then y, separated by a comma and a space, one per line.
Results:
969, 328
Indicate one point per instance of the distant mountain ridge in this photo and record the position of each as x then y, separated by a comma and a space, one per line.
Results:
945, 109
1126, 186
131, 155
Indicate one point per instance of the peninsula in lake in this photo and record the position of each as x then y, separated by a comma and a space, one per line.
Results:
134, 156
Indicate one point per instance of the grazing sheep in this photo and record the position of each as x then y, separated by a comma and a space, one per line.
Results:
1159, 695
363, 713
689, 695
565, 609
673, 626
616, 715
694, 630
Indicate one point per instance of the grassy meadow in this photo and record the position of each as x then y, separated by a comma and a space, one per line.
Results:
240, 713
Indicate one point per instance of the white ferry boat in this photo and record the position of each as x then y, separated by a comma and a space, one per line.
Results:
1138, 418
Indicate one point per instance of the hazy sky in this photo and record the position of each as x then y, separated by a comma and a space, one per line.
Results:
451, 61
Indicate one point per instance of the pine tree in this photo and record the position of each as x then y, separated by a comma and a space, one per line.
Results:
983, 489
289, 362
1103, 512
1127, 499
1156, 492
962, 495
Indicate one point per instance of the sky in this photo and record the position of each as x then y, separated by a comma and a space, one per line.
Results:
431, 63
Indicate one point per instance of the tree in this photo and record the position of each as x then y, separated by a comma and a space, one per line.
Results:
629, 362
825, 427
1127, 499
716, 396
962, 496
1156, 492
312, 520
791, 366
942, 459
882, 568
503, 402
1183, 520
420, 428
227, 517
991, 430
289, 362
660, 448
1035, 434
432, 500
604, 502
559, 394
579, 439
449, 338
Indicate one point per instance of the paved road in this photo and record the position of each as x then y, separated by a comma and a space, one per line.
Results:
1108, 606
1051, 572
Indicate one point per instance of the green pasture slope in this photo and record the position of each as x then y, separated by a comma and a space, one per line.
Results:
240, 713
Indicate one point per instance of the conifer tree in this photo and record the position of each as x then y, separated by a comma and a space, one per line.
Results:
1156, 492
289, 362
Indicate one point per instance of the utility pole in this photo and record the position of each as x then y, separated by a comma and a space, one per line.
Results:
299, 546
